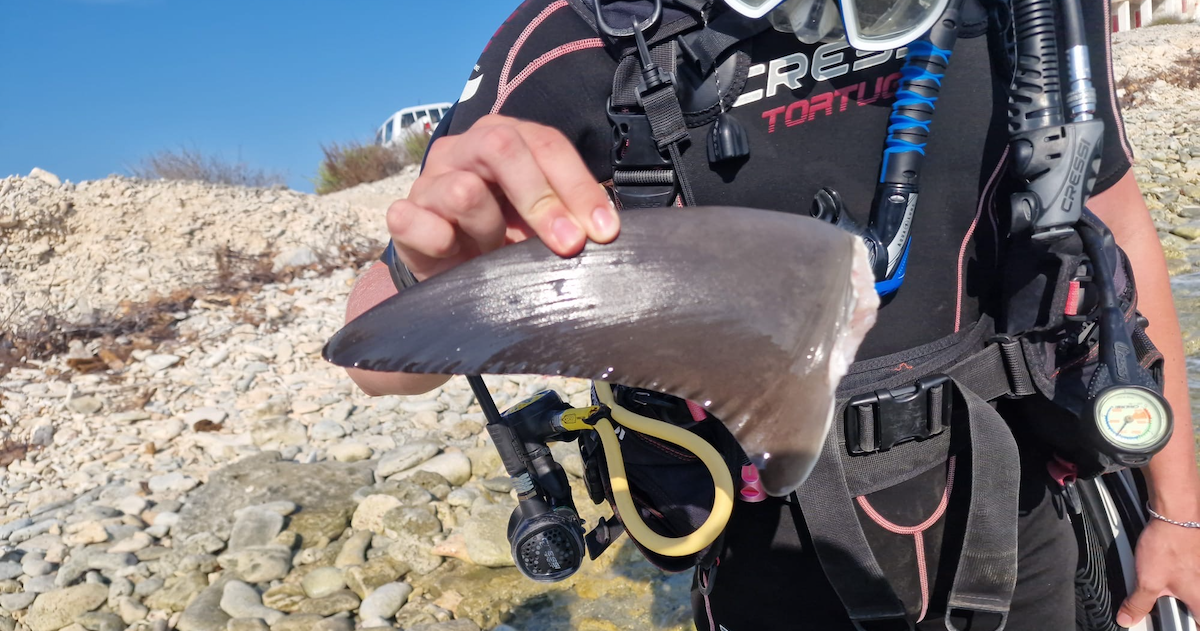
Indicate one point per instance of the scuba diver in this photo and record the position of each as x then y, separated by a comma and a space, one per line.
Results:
919, 516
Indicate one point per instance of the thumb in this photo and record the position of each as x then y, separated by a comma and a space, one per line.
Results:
1139, 603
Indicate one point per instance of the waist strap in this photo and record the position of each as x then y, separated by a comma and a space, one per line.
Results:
946, 388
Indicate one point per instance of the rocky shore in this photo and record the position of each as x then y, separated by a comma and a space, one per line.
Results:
224, 477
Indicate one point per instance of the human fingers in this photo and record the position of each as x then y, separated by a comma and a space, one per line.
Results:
426, 242
1137, 605
530, 164
570, 178
465, 201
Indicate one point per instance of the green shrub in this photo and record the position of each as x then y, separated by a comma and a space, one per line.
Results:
354, 163
187, 163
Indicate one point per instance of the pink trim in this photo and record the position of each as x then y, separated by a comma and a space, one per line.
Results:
504, 88
752, 489
962, 250
1112, 85
712, 625
917, 532
697, 411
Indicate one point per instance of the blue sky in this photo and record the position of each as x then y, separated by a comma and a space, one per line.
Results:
89, 87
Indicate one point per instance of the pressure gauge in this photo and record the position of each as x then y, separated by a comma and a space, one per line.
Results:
1133, 418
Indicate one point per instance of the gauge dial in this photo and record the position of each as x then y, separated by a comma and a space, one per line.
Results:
1132, 417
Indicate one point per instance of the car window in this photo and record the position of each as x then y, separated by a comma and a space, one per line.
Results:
434, 116
387, 133
379, 137
407, 120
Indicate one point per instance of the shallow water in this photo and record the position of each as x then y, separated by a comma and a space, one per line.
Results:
1186, 289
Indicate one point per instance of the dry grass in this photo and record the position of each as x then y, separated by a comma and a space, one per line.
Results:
1169, 19
189, 163
354, 163
1184, 73
150, 323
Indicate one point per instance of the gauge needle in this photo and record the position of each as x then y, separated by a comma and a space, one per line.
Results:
1128, 420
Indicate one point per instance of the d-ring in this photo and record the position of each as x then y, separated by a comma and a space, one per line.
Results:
627, 32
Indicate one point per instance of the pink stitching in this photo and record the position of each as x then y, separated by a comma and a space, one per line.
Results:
504, 87
1112, 83
917, 531
962, 251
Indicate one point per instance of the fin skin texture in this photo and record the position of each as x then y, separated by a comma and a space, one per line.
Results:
754, 314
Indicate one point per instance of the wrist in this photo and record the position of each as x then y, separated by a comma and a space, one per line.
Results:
1180, 502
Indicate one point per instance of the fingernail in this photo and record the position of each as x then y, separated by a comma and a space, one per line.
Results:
567, 233
1124, 620
604, 219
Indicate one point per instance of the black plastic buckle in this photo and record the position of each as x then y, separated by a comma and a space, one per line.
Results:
899, 415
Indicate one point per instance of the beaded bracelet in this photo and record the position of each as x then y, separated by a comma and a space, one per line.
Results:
1184, 524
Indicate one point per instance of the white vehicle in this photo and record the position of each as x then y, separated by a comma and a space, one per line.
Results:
410, 120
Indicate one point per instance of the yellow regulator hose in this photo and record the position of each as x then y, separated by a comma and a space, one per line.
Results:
722, 503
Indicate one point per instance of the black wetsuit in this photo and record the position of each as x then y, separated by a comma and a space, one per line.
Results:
816, 116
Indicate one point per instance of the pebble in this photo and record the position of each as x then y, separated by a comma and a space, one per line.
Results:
54, 610
240, 600
327, 430
134, 543
405, 457
101, 621
354, 550
172, 483
159, 362
259, 564
255, 526
350, 452
17, 601
323, 582
85, 405
131, 610
369, 514
383, 603
454, 466
10, 569
337, 602
247, 624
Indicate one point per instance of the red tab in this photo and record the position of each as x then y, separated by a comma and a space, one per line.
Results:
1072, 307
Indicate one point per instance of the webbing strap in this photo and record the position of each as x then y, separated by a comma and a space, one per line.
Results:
704, 47
840, 543
666, 116
987, 563
999, 370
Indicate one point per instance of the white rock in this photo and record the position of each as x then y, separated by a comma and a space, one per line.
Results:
295, 257
455, 466
45, 176
214, 415
406, 456
383, 603
369, 514
159, 362
172, 483
242, 601
350, 452
327, 430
